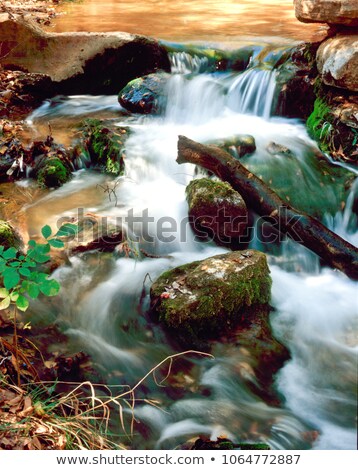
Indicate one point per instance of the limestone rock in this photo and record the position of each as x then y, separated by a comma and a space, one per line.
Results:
343, 12
81, 62
337, 61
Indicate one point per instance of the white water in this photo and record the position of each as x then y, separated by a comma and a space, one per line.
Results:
316, 311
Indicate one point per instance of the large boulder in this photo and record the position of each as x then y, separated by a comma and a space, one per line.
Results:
145, 95
80, 62
204, 299
217, 211
337, 61
343, 12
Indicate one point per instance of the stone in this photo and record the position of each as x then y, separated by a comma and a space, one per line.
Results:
105, 146
343, 12
295, 79
145, 95
96, 234
8, 236
79, 62
337, 61
279, 150
206, 298
333, 123
52, 172
217, 211
238, 146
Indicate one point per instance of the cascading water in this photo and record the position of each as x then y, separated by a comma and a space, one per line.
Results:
104, 298
253, 91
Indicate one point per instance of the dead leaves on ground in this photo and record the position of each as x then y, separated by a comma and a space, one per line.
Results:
24, 425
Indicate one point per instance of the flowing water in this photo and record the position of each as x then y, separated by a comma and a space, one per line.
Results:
104, 298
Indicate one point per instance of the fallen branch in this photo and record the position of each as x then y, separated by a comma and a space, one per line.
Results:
299, 226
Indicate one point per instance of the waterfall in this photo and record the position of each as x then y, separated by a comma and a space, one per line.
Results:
184, 63
252, 92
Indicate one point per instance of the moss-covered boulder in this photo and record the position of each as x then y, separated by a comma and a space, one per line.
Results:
217, 212
105, 146
8, 236
204, 299
53, 172
145, 95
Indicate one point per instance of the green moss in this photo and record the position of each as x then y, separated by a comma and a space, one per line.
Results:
204, 191
7, 235
320, 124
252, 446
105, 146
53, 173
218, 292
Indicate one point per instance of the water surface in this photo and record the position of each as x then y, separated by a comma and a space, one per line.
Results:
187, 20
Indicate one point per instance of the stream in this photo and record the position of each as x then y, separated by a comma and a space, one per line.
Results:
104, 298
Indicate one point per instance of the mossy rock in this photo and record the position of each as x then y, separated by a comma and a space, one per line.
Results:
8, 236
145, 95
213, 60
217, 211
53, 173
105, 146
333, 123
204, 299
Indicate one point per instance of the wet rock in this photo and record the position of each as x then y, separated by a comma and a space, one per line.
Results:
21, 92
79, 62
205, 298
8, 236
238, 146
344, 12
145, 95
217, 211
52, 172
333, 123
337, 61
223, 443
199, 59
295, 80
105, 146
278, 149
96, 234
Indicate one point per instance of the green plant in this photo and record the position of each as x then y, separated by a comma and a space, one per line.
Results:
22, 277
20, 272
319, 124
